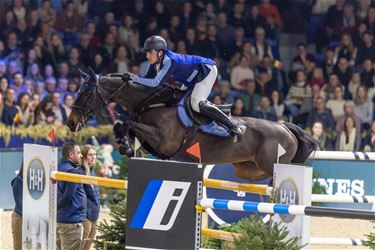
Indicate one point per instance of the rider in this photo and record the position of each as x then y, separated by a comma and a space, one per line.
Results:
197, 73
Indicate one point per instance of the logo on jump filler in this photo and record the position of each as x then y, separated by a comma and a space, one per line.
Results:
36, 178
160, 205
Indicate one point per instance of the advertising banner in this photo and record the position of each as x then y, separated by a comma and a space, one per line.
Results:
37, 214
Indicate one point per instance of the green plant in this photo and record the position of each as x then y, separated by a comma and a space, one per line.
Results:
370, 242
111, 236
256, 236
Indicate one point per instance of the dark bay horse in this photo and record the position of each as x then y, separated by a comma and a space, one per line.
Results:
159, 127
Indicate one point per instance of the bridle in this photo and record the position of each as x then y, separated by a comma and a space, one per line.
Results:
96, 100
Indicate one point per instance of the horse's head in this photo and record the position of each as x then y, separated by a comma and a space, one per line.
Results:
89, 99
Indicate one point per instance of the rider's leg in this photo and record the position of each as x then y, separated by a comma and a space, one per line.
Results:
199, 103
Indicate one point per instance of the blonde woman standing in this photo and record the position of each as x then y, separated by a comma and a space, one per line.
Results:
92, 193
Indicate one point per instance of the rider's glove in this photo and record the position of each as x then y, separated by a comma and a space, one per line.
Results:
127, 76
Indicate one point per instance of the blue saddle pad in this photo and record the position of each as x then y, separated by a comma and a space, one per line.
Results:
212, 128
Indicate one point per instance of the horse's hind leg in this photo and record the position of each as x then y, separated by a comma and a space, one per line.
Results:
249, 171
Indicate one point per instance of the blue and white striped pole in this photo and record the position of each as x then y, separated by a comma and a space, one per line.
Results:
261, 207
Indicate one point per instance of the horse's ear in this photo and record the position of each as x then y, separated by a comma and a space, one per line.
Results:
92, 73
83, 74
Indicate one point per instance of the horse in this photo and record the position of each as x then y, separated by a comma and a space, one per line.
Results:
158, 129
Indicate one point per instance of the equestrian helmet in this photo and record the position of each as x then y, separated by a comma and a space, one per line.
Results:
154, 43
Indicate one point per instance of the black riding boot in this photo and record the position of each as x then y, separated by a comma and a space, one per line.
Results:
217, 115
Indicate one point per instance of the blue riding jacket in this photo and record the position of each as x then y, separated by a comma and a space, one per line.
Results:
187, 69
17, 193
71, 197
93, 199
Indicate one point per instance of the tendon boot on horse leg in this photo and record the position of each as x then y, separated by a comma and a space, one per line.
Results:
236, 130
122, 140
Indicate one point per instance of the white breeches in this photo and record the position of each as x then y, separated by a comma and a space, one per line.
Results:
203, 88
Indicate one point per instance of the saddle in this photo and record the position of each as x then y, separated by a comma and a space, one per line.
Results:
202, 119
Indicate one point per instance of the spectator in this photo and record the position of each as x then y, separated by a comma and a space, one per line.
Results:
277, 103
17, 83
240, 73
46, 14
51, 85
40, 89
247, 50
329, 62
34, 74
44, 113
209, 47
261, 47
9, 109
58, 108
300, 61
368, 143
367, 73
48, 71
272, 15
317, 78
256, 20
363, 9
349, 21
370, 19
33, 25
63, 70
366, 50
181, 47
370, 93
236, 18
210, 13
71, 201
4, 84
86, 50
318, 133
57, 50
98, 65
191, 44
354, 83
225, 33
336, 105
216, 99
19, 10
121, 62
328, 90
238, 108
363, 106
346, 50
298, 93
74, 63
17, 187
250, 98
23, 33
349, 138
321, 113
68, 103
127, 29
103, 26
225, 93
161, 13
1, 104
348, 111
69, 20
344, 73
92, 194
264, 110
25, 109
265, 81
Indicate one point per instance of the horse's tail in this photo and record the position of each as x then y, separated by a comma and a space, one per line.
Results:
306, 143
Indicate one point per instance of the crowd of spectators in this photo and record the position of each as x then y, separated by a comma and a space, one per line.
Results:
328, 91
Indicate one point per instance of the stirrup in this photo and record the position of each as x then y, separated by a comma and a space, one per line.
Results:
238, 132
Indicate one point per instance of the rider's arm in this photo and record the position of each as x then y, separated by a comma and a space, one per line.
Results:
159, 78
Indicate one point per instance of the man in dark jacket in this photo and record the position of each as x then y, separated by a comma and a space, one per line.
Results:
17, 212
71, 201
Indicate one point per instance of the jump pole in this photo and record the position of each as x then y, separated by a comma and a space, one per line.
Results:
267, 190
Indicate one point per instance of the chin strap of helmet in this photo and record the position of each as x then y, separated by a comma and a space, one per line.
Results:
160, 58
